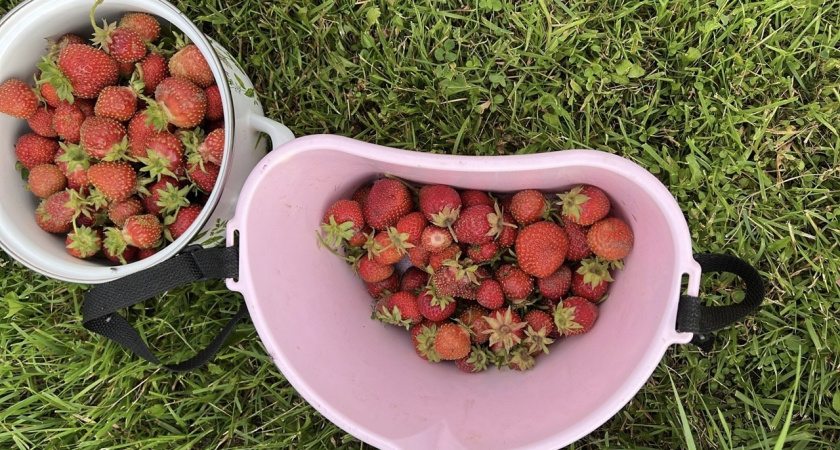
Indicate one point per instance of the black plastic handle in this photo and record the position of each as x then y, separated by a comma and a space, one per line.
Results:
695, 317
193, 264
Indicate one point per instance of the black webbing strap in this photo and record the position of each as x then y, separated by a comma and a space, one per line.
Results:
194, 264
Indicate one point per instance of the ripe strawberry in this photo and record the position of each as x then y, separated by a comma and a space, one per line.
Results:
556, 285
33, 150
204, 175
540, 327
151, 70
507, 237
67, 121
120, 211
54, 215
371, 271
418, 256
385, 287
414, 279
516, 284
505, 329
440, 204
143, 231
575, 315
17, 99
435, 239
433, 307
437, 260
475, 225
388, 247
399, 308
212, 148
423, 337
83, 242
215, 108
164, 155
177, 225
116, 249
477, 361
454, 281
610, 238
139, 131
591, 278
189, 63
126, 68
145, 25
452, 342
473, 319
578, 247
584, 205
49, 94
361, 194
115, 180
489, 294
541, 248
46, 179
103, 138
84, 72
42, 122
342, 221
528, 206
387, 202
116, 102
164, 197
123, 43
412, 224
589, 291
147, 252
521, 359
472, 197
179, 102
86, 105
484, 252
74, 162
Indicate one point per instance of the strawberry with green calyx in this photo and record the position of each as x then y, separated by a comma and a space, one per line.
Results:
529, 206
342, 221
505, 329
452, 342
423, 337
122, 43
540, 327
103, 138
541, 248
578, 246
164, 156
516, 284
80, 72
74, 162
489, 294
556, 286
177, 223
471, 197
45, 180
54, 215
478, 360
142, 231
163, 197
591, 279
388, 247
83, 242
17, 99
177, 101
203, 175
440, 204
388, 201
584, 205
483, 253
474, 225
473, 319
575, 315
434, 239
414, 279
399, 308
385, 287
436, 260
455, 279
42, 122
412, 225
145, 25
371, 271
115, 247
521, 359
610, 238
433, 307
189, 63
116, 180
33, 150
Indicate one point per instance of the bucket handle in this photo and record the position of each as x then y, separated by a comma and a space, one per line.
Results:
194, 263
695, 317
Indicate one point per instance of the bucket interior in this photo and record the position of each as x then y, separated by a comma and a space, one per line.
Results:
314, 314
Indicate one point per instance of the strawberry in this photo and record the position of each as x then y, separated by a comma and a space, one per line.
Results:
17, 99
414, 279
489, 294
122, 43
516, 284
556, 285
610, 238
67, 121
433, 307
440, 203
116, 249
418, 256
505, 329
412, 225
423, 337
478, 360
584, 205
472, 197
42, 122
342, 221
164, 197
54, 215
143, 231
179, 102
435, 239
145, 25
49, 94
589, 291
452, 280
190, 64
541, 248
83, 242
120, 211
575, 315
473, 319
139, 131
591, 279
115, 180
116, 102
578, 247
177, 225
540, 327
87, 106
204, 176
507, 237
215, 107
212, 148
164, 155
74, 163
387, 202
103, 138
126, 68
437, 260
46, 179
521, 359
147, 252
452, 341
151, 70
474, 225
371, 271
528, 206
484, 252
361, 194
399, 308
83, 71
33, 150
385, 287
388, 247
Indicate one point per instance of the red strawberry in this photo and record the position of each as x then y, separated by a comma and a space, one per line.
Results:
474, 225
484, 252
33, 150
103, 138
423, 337
123, 43
433, 307
145, 25
437, 260
189, 63
610, 238
591, 279
212, 148
342, 221
489, 294
371, 271
177, 225
521, 359
42, 122
164, 197
505, 329
54, 214
83, 242
575, 315
120, 211
115, 180
440, 203
388, 247
507, 237
541, 248
74, 163
473, 319
215, 108
86, 105
516, 284
412, 224
584, 205
139, 131
385, 287
418, 256
46, 179
435, 239
164, 155
452, 341
126, 68
147, 252
387, 202
556, 285
17, 99
472, 197
586, 290
67, 121
528, 206
86, 71
540, 327
578, 247
414, 279
361, 194
116, 249
204, 176
116, 102
151, 70
143, 231
454, 281
399, 308
49, 94
177, 101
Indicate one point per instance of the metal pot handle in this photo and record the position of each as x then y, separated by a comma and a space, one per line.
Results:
695, 317
192, 264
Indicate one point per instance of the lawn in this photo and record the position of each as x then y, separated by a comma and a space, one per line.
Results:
733, 105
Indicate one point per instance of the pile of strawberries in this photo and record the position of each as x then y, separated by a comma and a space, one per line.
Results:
127, 136
490, 279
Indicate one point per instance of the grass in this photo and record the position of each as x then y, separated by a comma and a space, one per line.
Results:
732, 104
